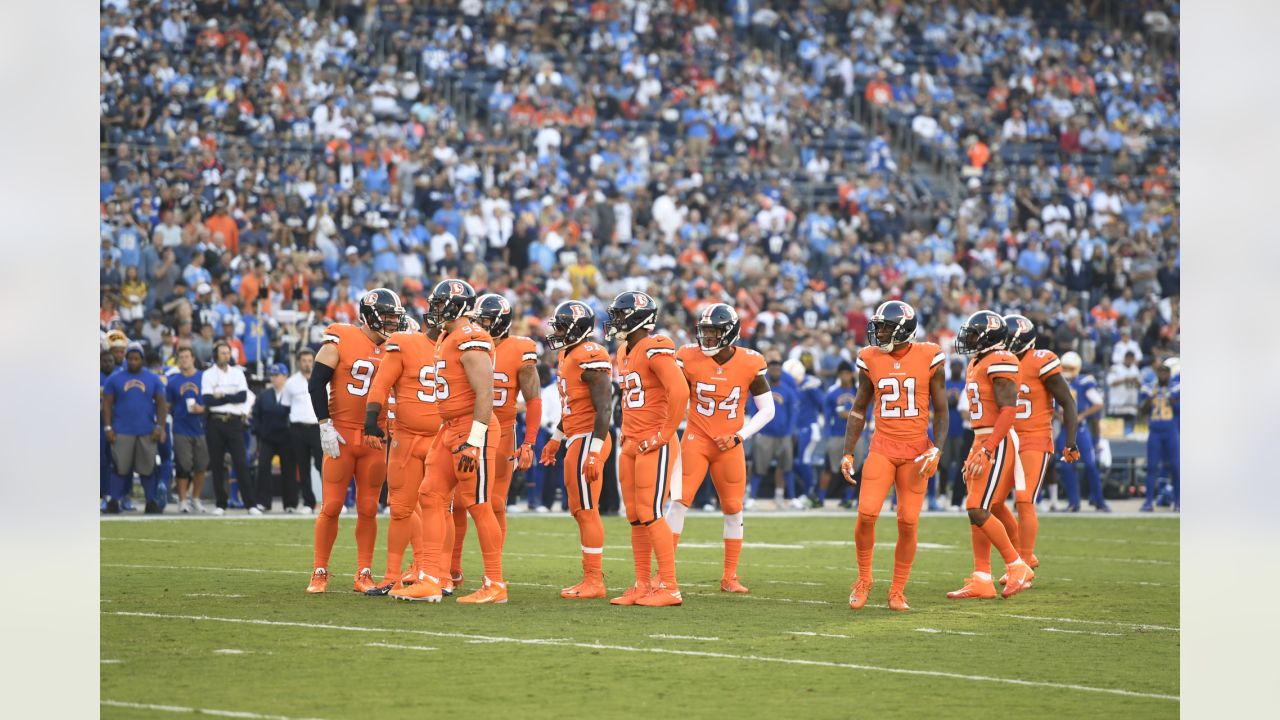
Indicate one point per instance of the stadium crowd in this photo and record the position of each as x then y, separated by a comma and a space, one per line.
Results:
264, 163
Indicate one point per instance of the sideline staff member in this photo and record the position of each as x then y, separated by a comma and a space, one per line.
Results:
226, 395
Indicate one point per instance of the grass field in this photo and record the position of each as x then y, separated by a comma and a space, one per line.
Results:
211, 615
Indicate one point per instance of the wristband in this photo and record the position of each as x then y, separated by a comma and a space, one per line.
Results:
558, 435
596, 445
478, 431
857, 414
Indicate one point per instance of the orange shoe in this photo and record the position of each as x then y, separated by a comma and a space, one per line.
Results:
898, 601
632, 594
662, 597
319, 581
423, 589
654, 583
405, 580
364, 581
859, 593
731, 585
1020, 575
976, 588
1034, 562
490, 593
455, 580
589, 589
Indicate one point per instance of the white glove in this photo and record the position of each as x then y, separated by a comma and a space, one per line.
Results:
330, 439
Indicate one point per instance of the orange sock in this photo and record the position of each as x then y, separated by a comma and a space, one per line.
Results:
995, 532
675, 540
500, 514
326, 534
642, 551
399, 533
981, 550
1001, 512
444, 550
732, 550
434, 549
904, 554
864, 540
459, 534
664, 548
415, 539
1029, 525
366, 537
490, 539
591, 535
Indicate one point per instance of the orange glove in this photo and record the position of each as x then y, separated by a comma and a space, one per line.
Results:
1070, 454
524, 456
846, 467
593, 468
549, 452
928, 462
468, 461
978, 464
650, 444
728, 442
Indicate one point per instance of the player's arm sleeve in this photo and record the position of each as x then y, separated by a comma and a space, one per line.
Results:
764, 413
672, 379
318, 388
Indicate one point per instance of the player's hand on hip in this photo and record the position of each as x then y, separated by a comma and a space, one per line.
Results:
928, 462
847, 469
1070, 454
524, 456
468, 456
978, 464
728, 442
330, 439
549, 452
650, 444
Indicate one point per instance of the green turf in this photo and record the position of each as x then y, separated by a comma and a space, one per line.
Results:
1112, 583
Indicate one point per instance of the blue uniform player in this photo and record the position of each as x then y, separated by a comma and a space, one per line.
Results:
774, 445
107, 366
1160, 402
1088, 411
133, 412
835, 409
809, 437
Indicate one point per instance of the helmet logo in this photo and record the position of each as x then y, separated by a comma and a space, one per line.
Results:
1024, 325
502, 302
577, 311
994, 322
641, 300
371, 299
908, 312
455, 288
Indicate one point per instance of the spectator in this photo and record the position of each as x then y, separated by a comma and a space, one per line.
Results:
304, 430
271, 428
133, 412
773, 447
225, 396
190, 449
1123, 382
1126, 345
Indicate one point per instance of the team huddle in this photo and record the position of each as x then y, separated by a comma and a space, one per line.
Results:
432, 411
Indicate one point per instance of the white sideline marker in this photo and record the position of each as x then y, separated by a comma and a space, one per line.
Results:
807, 633
393, 646
659, 651
229, 651
217, 595
1083, 632
110, 662
199, 711
662, 636
936, 631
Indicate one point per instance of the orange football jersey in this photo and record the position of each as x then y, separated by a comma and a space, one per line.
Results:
1034, 421
576, 411
901, 400
409, 365
358, 360
454, 395
510, 355
718, 393
644, 397
980, 389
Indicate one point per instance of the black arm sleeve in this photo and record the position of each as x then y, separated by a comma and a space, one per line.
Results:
318, 386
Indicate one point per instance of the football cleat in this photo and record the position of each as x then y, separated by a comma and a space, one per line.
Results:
364, 581
1034, 562
632, 594
859, 593
975, 588
490, 593
381, 590
319, 581
731, 585
589, 589
898, 601
662, 597
423, 589
1020, 576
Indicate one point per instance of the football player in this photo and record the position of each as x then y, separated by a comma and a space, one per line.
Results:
515, 369
1040, 383
720, 377
1161, 402
992, 391
464, 452
904, 378
340, 382
1088, 399
586, 406
655, 398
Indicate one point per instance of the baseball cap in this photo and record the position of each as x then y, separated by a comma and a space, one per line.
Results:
279, 369
117, 338
134, 347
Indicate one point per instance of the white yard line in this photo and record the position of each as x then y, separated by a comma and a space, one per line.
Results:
1037, 618
217, 595
662, 651
1082, 632
807, 633
230, 651
393, 646
197, 711
936, 631
662, 636
110, 662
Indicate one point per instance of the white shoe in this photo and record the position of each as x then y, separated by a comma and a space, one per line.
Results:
184, 507
290, 510
542, 509
749, 504
513, 509
385, 511
255, 510
219, 512
797, 504
304, 510
708, 508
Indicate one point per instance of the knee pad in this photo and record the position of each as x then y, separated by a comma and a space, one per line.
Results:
733, 529
432, 501
978, 516
331, 510
868, 518
401, 511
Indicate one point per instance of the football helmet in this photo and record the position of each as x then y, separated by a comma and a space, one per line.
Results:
718, 328
1071, 364
631, 311
893, 324
382, 312
983, 332
493, 312
448, 301
1022, 334
572, 323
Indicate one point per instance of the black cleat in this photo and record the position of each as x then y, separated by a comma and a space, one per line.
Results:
113, 507
152, 508
380, 590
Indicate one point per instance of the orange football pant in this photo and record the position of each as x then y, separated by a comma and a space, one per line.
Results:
405, 468
443, 479
584, 498
646, 486
989, 493
369, 467
728, 468
879, 474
